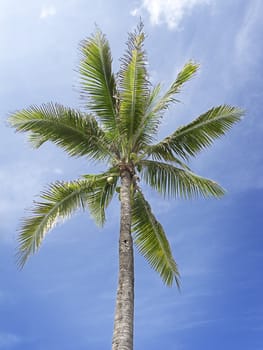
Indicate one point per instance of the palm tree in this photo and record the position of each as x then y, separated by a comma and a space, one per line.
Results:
119, 127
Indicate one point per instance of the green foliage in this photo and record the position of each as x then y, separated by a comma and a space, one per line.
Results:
120, 127
155, 105
133, 87
151, 240
75, 132
97, 81
58, 202
190, 139
102, 193
172, 181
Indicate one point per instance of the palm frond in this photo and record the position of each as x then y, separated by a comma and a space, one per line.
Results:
151, 241
155, 105
97, 80
76, 133
183, 76
172, 181
165, 154
103, 188
190, 139
57, 203
146, 134
133, 84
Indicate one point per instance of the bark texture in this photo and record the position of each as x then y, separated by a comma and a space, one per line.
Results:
124, 312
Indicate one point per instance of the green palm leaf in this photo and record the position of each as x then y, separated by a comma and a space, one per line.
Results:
167, 155
155, 105
97, 80
148, 129
75, 132
103, 189
172, 181
57, 203
183, 76
151, 240
190, 139
133, 85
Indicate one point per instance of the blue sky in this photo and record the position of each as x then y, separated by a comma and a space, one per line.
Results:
65, 296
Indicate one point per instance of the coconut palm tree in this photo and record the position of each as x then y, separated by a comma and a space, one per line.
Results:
119, 127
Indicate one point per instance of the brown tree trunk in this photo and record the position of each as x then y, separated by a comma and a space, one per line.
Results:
123, 322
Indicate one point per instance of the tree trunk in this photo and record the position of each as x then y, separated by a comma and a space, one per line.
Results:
123, 323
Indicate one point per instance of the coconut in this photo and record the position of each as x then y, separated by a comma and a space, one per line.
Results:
110, 180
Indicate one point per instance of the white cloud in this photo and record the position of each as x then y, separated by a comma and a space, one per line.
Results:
47, 11
170, 12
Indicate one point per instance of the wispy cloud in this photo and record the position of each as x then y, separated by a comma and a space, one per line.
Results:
170, 12
47, 11
8, 340
246, 38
